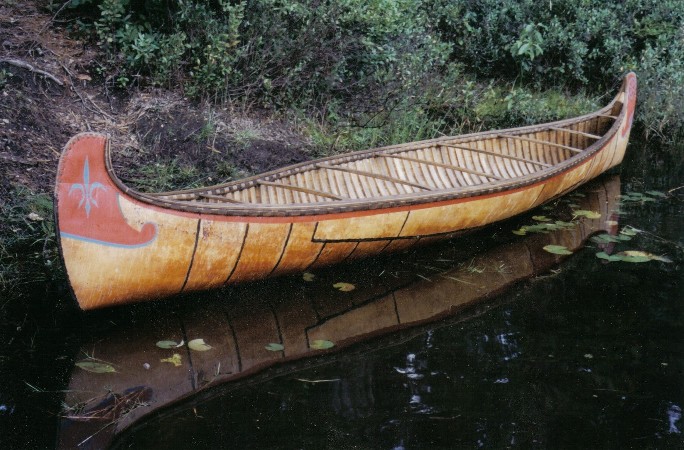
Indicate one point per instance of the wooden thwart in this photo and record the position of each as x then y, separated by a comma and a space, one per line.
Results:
539, 141
218, 197
500, 155
438, 164
301, 189
373, 175
581, 133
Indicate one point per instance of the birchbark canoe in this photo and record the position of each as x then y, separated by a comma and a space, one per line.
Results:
120, 245
238, 324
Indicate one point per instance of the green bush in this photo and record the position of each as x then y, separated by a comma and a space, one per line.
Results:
357, 60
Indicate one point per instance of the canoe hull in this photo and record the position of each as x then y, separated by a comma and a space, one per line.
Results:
118, 249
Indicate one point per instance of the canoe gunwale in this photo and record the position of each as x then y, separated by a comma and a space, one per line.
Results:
347, 205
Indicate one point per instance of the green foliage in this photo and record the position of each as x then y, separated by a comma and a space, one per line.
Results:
359, 64
28, 251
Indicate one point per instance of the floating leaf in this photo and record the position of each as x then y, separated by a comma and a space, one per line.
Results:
637, 256
169, 344
587, 214
344, 287
605, 239
273, 347
199, 345
629, 231
634, 256
588, 355
520, 232
607, 257
95, 367
308, 276
541, 218
557, 249
612, 223
320, 344
564, 224
657, 194
175, 360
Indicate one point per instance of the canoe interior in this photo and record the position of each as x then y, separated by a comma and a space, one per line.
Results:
445, 164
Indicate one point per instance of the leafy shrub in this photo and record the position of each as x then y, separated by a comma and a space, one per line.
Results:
356, 59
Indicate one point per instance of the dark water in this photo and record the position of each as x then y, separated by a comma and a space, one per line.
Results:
584, 355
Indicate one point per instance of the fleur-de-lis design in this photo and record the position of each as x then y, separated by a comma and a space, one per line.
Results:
87, 189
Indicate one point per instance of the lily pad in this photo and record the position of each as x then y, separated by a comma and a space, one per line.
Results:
308, 276
607, 257
169, 344
199, 345
637, 256
95, 367
320, 344
175, 360
274, 347
605, 239
344, 287
557, 249
629, 231
587, 214
633, 256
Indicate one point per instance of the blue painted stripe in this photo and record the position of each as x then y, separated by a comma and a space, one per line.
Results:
109, 244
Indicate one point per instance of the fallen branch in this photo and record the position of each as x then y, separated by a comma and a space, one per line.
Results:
29, 67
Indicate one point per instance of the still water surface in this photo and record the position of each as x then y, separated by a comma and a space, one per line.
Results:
585, 354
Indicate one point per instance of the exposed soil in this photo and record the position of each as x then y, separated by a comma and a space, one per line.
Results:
48, 93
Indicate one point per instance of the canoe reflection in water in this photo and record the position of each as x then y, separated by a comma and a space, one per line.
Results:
123, 375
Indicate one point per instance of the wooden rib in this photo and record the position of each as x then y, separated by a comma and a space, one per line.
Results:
217, 197
486, 152
301, 189
372, 175
582, 133
437, 164
539, 141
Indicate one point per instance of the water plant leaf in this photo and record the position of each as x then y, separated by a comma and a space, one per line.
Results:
607, 257
95, 367
175, 360
557, 249
274, 347
587, 214
629, 231
632, 257
541, 218
320, 344
344, 287
657, 194
520, 232
199, 345
563, 224
612, 223
308, 276
169, 344
605, 239
637, 256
